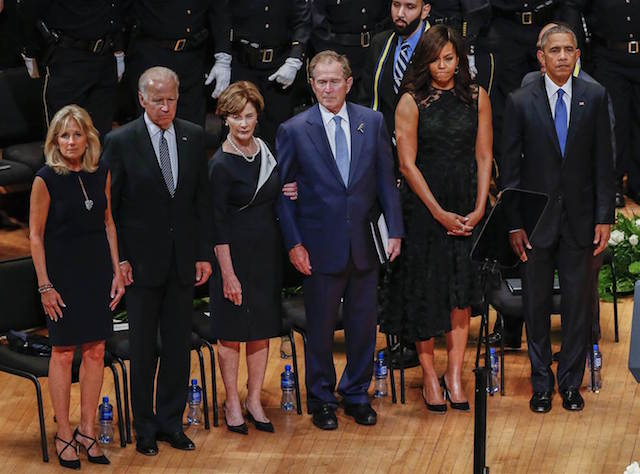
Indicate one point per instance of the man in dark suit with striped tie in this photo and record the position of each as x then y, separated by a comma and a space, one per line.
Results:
159, 199
389, 56
557, 141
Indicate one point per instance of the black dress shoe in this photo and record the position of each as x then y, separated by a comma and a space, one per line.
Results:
240, 429
541, 402
325, 418
440, 408
265, 426
177, 439
572, 400
361, 412
146, 445
463, 406
619, 199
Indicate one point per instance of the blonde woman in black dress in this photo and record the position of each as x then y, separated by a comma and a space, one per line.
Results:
75, 254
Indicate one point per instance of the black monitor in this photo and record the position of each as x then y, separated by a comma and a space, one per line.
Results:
492, 244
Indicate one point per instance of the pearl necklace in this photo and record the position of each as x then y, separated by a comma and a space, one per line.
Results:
249, 159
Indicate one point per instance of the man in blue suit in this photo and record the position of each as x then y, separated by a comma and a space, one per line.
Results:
339, 154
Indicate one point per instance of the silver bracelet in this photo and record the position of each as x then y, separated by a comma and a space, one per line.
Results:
45, 288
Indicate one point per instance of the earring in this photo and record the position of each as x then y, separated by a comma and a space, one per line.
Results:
457, 70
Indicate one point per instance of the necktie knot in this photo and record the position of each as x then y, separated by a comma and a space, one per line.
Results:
337, 119
560, 94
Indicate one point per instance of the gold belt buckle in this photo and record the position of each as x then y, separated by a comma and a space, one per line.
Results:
180, 44
527, 18
365, 39
267, 55
97, 47
633, 47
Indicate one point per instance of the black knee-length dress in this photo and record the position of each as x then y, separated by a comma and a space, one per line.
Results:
77, 256
434, 273
247, 222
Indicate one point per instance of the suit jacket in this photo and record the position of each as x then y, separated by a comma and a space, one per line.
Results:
151, 224
330, 219
376, 87
581, 184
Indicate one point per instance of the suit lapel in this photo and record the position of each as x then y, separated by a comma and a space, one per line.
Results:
318, 136
182, 144
575, 115
148, 156
356, 128
541, 102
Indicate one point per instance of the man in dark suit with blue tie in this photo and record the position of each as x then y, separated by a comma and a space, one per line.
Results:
557, 140
339, 153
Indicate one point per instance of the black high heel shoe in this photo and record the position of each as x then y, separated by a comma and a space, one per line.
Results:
102, 459
68, 463
265, 426
240, 429
439, 408
463, 406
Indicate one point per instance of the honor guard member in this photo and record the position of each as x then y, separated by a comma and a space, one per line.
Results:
389, 57
78, 46
347, 27
612, 29
511, 37
10, 46
468, 18
180, 35
268, 43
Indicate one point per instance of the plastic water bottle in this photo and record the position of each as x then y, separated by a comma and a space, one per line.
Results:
288, 385
494, 386
194, 398
380, 375
597, 370
106, 421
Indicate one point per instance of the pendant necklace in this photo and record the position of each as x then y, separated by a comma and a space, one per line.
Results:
250, 158
88, 203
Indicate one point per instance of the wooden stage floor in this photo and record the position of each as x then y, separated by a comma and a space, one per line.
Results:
601, 439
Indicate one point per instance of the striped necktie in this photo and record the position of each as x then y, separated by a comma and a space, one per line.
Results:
401, 66
165, 164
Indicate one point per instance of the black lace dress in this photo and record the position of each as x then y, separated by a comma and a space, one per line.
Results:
434, 273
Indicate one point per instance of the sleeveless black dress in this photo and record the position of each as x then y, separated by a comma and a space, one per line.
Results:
250, 228
434, 273
77, 256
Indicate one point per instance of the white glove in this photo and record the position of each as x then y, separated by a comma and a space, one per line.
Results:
286, 74
119, 64
221, 73
32, 67
473, 70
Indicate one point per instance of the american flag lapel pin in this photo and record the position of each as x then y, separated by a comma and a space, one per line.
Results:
184, 139
581, 103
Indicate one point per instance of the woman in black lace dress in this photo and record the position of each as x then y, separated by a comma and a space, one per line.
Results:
444, 139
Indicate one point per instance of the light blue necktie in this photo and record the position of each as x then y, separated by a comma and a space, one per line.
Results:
560, 120
342, 151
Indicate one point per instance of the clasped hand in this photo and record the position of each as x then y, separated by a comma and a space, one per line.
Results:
457, 225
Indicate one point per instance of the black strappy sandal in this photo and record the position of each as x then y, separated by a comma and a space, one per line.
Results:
102, 459
68, 463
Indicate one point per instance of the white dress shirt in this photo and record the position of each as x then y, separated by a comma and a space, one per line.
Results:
155, 133
552, 95
330, 126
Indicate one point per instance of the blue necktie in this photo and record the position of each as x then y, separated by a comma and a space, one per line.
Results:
560, 120
342, 152
401, 66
